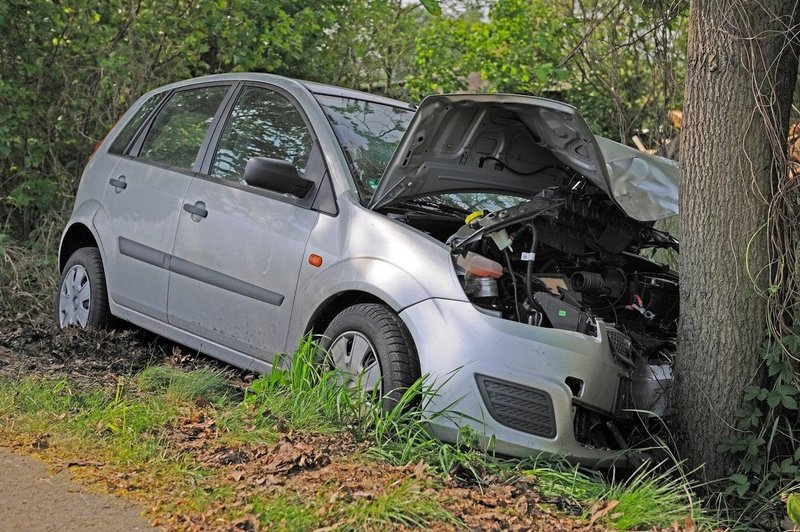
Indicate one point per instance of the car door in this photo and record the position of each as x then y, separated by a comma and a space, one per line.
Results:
236, 261
145, 195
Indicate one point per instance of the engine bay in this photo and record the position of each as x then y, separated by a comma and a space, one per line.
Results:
568, 258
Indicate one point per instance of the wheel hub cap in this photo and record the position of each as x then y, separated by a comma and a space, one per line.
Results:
354, 356
74, 298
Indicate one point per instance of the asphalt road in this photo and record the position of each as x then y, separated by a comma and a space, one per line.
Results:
31, 498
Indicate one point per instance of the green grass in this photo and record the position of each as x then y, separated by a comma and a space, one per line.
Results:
404, 504
303, 397
127, 425
401, 437
655, 495
212, 385
652, 496
560, 479
287, 512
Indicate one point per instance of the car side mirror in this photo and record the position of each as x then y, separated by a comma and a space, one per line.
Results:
276, 175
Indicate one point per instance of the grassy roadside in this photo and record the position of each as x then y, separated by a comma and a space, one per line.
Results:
297, 450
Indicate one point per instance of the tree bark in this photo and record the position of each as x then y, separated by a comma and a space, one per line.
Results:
739, 82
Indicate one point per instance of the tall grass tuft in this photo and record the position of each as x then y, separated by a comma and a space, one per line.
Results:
213, 385
303, 396
656, 495
405, 504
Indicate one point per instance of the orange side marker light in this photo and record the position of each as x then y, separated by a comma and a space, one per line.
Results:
315, 260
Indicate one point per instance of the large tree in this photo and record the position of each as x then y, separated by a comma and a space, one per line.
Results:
740, 77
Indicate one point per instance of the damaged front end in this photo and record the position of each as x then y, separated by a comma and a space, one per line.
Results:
558, 236
570, 260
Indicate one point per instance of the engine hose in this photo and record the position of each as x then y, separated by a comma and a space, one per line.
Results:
529, 269
513, 284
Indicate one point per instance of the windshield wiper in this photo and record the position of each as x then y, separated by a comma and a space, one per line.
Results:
429, 204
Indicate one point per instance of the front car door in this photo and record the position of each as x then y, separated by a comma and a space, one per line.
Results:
235, 270
145, 195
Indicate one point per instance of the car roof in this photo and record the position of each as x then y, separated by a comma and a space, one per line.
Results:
332, 90
314, 87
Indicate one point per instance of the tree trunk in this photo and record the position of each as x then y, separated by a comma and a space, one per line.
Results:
739, 83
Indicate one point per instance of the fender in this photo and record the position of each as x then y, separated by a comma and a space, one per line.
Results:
92, 215
83, 214
397, 287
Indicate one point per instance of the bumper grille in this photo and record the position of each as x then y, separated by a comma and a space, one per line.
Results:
621, 345
519, 407
623, 402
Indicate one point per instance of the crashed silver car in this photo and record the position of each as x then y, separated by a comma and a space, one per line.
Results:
488, 242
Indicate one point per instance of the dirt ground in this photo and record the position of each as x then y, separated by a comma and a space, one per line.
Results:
35, 346
38, 347
301, 464
32, 498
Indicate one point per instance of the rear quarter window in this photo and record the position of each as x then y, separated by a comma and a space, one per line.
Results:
128, 132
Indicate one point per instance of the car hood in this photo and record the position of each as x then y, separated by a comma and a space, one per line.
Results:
452, 137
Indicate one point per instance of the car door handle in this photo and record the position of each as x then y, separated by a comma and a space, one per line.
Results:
198, 210
119, 184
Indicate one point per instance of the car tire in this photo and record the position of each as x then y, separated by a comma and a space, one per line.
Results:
389, 340
82, 298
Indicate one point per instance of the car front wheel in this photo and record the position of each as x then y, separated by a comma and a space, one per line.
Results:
371, 343
82, 298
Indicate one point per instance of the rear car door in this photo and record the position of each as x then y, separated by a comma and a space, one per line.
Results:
145, 194
236, 262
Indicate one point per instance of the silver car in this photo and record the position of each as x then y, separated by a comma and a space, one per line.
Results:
490, 242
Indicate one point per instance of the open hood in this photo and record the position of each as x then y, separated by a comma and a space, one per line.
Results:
505, 143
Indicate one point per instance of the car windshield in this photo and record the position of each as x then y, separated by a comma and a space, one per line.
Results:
368, 132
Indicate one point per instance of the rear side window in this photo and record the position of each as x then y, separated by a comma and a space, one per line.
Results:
129, 131
263, 123
179, 128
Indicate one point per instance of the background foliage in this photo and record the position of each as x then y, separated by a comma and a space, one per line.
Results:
70, 68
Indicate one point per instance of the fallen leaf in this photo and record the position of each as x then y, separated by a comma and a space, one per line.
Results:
420, 469
521, 506
601, 509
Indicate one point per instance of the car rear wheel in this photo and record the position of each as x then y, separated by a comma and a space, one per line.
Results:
82, 299
371, 345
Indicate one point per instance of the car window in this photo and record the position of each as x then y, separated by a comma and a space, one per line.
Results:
126, 135
368, 132
180, 127
263, 123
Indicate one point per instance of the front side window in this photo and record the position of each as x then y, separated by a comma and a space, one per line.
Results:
368, 132
263, 123
179, 128
126, 135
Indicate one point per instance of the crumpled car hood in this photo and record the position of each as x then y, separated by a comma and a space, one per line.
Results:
506, 143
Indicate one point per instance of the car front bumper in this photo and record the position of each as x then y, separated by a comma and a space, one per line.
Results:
518, 386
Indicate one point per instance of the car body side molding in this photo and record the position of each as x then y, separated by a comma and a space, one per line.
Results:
146, 254
157, 258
